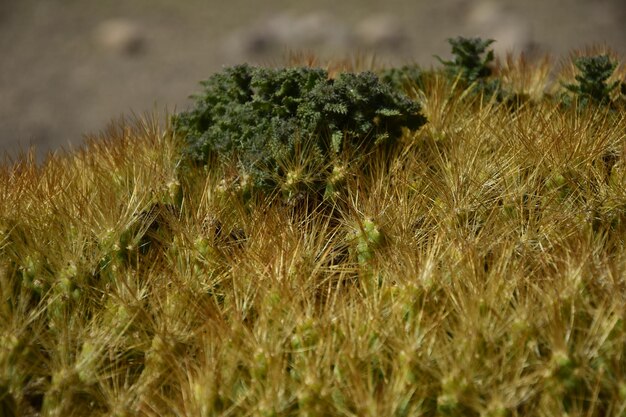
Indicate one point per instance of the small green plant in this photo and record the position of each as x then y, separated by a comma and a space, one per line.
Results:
471, 65
593, 85
469, 62
260, 117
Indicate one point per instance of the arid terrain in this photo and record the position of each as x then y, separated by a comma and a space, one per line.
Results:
69, 67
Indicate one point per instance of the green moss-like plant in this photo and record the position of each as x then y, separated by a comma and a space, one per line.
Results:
257, 116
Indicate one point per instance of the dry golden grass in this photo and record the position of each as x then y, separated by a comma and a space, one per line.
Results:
478, 271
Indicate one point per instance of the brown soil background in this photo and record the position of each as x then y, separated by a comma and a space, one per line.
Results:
70, 67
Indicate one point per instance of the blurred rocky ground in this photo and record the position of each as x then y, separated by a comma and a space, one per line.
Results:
69, 67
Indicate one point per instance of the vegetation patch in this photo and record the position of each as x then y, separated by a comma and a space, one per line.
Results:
260, 116
457, 255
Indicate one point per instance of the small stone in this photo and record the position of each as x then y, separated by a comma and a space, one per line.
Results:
122, 36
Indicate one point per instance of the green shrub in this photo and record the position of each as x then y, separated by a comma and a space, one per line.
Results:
257, 115
472, 64
593, 85
469, 62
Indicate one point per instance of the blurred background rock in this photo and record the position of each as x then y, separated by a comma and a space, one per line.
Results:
69, 67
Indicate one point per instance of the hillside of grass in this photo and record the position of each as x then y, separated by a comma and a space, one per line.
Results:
474, 268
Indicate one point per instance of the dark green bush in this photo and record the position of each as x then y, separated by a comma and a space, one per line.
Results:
593, 85
469, 61
256, 115
472, 64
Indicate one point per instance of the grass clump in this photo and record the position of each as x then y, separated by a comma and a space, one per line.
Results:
475, 268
